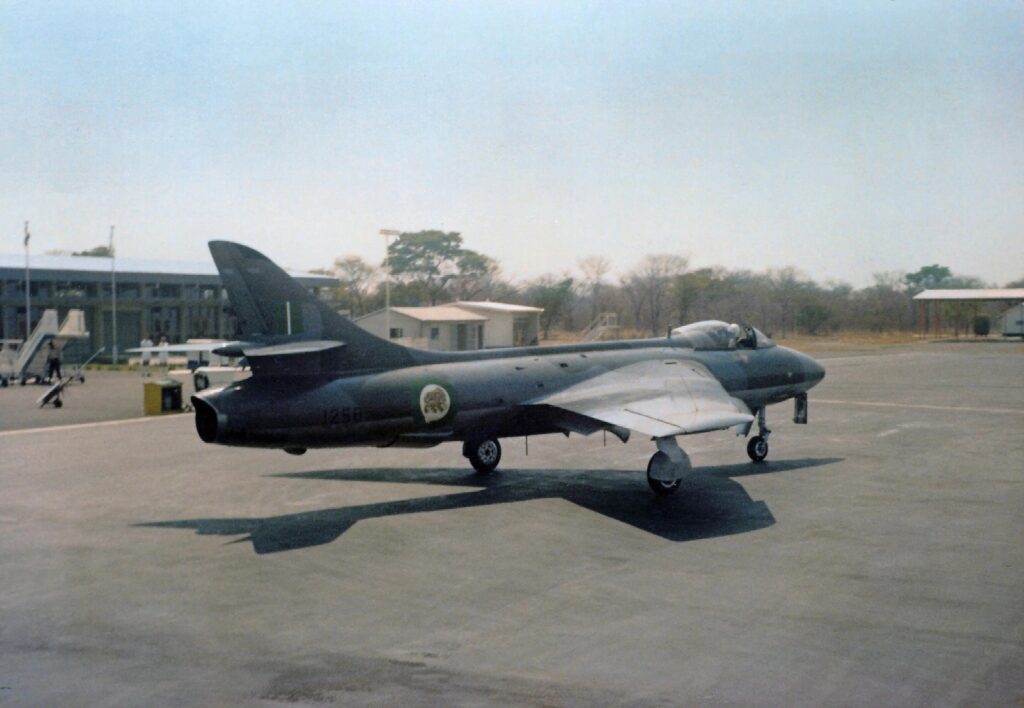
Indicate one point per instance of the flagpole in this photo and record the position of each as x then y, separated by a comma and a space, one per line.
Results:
113, 296
387, 233
28, 287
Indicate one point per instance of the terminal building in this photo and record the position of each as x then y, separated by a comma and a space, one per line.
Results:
177, 300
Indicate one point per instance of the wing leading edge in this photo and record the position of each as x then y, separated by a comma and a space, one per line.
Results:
657, 398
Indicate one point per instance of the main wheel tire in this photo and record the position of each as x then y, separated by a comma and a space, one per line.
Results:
57, 403
757, 448
484, 455
660, 486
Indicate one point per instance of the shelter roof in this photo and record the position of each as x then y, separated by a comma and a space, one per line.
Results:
976, 294
499, 306
440, 313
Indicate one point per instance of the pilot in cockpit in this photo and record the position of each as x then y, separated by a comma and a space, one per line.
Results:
748, 340
715, 334
734, 332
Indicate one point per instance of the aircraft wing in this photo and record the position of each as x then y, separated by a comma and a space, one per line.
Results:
657, 398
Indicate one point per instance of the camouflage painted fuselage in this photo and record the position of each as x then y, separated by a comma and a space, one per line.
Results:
469, 395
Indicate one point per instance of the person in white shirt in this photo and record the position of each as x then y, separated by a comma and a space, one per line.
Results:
163, 351
146, 342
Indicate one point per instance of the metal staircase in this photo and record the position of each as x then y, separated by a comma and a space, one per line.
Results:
31, 361
605, 325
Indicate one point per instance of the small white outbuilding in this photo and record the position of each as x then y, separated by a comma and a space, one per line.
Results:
458, 326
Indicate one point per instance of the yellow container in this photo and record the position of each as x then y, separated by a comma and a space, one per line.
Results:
160, 397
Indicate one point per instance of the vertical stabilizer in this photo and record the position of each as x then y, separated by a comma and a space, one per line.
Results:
272, 306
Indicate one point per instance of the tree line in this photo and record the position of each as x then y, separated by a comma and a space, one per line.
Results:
661, 291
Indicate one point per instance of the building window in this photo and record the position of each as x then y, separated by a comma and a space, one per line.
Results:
396, 333
74, 290
435, 332
129, 290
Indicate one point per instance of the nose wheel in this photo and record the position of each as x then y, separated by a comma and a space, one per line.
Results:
757, 447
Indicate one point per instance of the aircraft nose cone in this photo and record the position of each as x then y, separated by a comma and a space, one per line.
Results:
813, 371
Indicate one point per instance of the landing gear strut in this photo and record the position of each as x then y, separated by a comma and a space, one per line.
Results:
757, 448
484, 455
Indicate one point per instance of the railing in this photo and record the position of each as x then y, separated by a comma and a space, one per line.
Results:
606, 323
45, 329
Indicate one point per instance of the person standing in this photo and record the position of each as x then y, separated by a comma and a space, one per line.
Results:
52, 362
163, 351
146, 343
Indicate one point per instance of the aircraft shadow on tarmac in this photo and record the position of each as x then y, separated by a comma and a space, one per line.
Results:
708, 504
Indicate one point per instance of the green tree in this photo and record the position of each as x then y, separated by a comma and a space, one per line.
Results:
554, 295
932, 276
688, 289
98, 251
476, 276
436, 258
355, 277
882, 307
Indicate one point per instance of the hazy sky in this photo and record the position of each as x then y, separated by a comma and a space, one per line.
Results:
843, 138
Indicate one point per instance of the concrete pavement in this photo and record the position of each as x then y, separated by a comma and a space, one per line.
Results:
876, 559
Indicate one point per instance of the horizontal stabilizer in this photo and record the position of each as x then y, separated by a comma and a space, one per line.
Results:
291, 348
219, 348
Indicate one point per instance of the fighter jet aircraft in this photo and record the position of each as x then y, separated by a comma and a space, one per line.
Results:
321, 381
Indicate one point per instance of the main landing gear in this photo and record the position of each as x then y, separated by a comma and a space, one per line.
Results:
757, 448
484, 454
667, 467
661, 487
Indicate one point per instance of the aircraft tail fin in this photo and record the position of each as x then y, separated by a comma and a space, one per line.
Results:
273, 307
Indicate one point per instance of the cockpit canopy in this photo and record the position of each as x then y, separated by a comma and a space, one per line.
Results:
715, 334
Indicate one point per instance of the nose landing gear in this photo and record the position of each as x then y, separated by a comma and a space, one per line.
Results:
757, 448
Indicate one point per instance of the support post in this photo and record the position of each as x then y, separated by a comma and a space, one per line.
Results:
387, 234
28, 287
113, 298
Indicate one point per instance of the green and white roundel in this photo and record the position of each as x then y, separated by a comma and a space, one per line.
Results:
434, 402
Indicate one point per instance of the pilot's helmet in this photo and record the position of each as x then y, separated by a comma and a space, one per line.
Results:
735, 332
